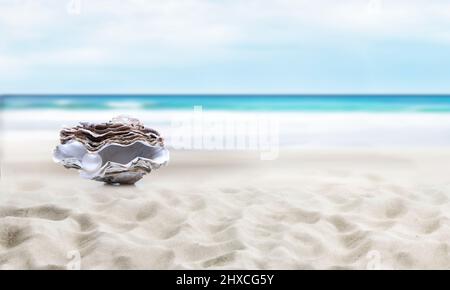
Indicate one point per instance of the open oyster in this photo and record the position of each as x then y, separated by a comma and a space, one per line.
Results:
120, 151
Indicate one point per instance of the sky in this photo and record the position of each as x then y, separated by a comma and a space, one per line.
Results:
224, 46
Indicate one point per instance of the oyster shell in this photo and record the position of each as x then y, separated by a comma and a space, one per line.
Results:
120, 151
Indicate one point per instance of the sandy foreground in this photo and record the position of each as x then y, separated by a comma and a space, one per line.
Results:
308, 209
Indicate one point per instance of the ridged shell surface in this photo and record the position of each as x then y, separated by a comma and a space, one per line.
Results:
120, 151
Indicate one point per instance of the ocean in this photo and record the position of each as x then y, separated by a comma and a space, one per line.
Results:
294, 121
305, 103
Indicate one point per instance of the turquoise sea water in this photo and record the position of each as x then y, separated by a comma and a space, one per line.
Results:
314, 103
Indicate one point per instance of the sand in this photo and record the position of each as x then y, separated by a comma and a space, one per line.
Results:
309, 209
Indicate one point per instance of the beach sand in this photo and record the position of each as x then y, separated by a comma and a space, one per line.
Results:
329, 209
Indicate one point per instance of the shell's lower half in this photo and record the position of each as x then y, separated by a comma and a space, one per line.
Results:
113, 163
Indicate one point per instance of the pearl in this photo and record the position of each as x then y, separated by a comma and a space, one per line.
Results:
91, 162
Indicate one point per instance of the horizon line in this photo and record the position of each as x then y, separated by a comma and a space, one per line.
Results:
222, 94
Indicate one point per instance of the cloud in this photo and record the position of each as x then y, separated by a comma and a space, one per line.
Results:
191, 33
119, 32
199, 25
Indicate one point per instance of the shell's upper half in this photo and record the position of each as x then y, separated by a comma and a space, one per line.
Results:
120, 151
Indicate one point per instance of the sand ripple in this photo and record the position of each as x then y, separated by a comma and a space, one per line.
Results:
317, 218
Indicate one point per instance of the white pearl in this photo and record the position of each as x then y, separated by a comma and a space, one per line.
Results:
91, 162
73, 149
